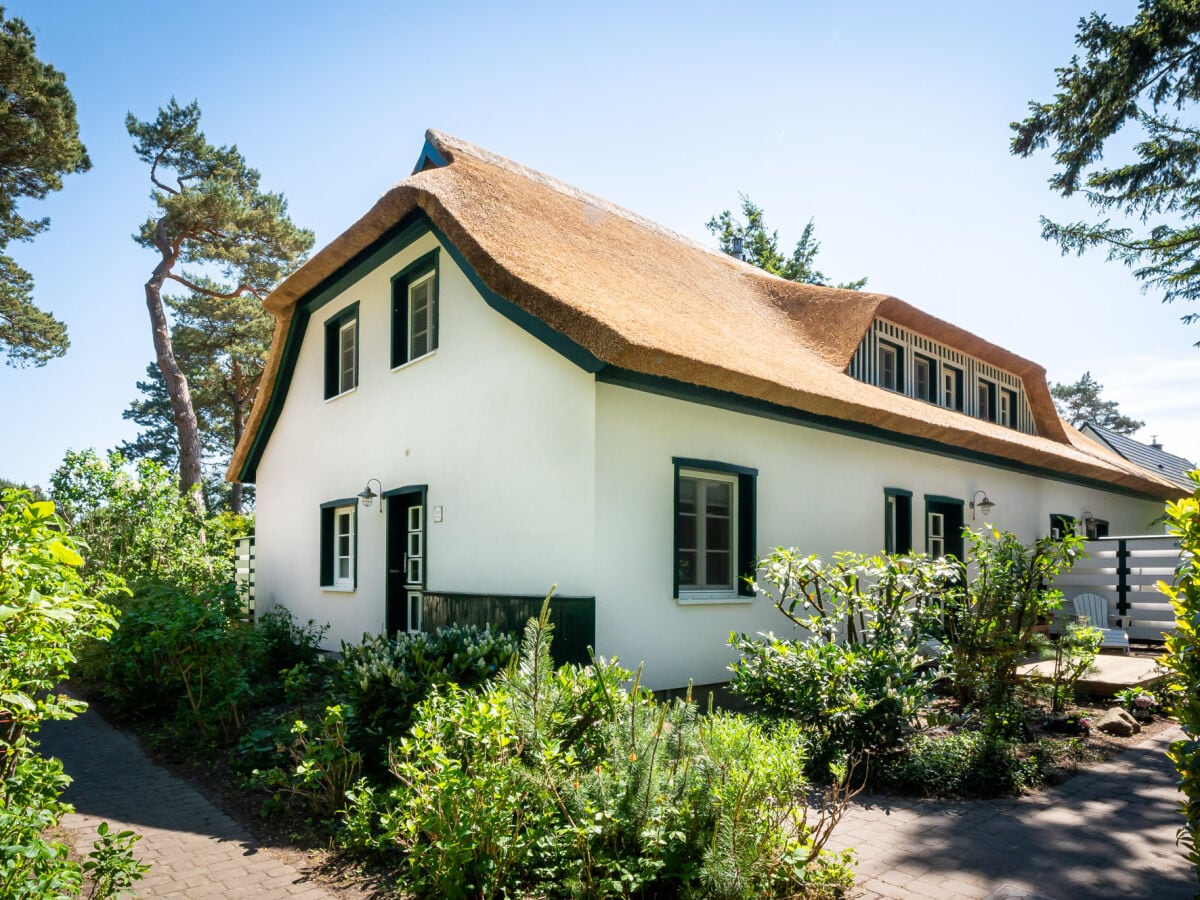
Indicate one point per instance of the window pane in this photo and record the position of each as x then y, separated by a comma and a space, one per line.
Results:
716, 533
687, 568
414, 543
716, 498
346, 363
687, 532
687, 495
717, 569
419, 312
343, 569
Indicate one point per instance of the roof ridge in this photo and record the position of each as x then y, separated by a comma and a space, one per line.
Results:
448, 143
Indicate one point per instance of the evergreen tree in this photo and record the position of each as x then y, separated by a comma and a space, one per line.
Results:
1080, 402
750, 240
211, 214
1142, 77
39, 143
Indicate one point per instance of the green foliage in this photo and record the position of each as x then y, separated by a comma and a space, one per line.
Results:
1074, 654
1138, 701
563, 783
278, 642
963, 764
46, 609
989, 620
39, 143
1183, 660
857, 678
137, 526
322, 768
1080, 402
110, 866
760, 247
382, 680
181, 653
1140, 77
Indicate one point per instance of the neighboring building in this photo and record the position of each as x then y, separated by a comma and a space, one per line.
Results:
545, 388
1151, 457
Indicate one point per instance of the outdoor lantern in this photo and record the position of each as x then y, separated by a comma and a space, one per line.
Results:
985, 505
367, 496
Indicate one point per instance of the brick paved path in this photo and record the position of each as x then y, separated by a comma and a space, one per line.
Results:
1107, 833
194, 849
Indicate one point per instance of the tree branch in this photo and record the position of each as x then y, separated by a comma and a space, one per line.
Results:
239, 291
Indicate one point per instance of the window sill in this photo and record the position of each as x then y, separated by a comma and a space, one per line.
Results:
712, 599
335, 589
413, 362
341, 395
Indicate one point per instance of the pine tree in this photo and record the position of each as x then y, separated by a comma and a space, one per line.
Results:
1080, 402
211, 214
39, 143
751, 241
1144, 78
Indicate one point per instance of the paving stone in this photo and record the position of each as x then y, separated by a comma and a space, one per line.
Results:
194, 849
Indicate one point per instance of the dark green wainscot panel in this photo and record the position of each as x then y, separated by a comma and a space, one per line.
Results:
573, 618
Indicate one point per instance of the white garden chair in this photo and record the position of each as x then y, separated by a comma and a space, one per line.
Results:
1095, 607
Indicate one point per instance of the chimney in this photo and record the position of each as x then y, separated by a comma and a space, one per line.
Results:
1154, 444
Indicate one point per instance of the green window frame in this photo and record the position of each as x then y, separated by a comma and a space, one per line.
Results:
415, 309
341, 373
897, 520
339, 545
694, 526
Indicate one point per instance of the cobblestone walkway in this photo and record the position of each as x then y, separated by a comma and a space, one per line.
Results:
1107, 833
194, 849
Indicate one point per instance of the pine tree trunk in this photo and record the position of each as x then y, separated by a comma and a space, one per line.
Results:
176, 382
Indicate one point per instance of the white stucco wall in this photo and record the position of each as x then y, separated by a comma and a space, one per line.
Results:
816, 491
500, 427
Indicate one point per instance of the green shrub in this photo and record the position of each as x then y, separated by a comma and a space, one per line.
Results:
963, 764
46, 610
382, 680
566, 783
857, 679
1183, 659
277, 642
989, 620
321, 767
182, 653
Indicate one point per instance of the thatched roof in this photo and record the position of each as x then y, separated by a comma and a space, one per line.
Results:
643, 299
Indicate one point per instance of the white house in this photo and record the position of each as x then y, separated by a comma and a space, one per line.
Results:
547, 389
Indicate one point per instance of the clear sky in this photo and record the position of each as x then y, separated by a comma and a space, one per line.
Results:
886, 122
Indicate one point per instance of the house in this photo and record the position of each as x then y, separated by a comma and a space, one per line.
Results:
532, 386
1150, 456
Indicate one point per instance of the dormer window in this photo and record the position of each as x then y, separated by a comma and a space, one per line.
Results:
899, 359
890, 373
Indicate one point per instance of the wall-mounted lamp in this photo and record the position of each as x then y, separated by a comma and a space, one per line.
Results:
367, 496
985, 505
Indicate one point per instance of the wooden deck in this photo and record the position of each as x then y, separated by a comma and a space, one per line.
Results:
1112, 672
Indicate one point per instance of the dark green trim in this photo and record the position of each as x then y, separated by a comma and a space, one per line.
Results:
421, 489
401, 282
895, 543
555, 340
430, 158
746, 526
413, 226
678, 390
938, 498
333, 349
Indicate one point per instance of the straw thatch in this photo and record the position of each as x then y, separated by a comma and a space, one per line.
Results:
652, 302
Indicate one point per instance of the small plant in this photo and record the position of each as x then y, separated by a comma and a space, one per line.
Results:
1138, 701
110, 867
323, 769
963, 764
1074, 656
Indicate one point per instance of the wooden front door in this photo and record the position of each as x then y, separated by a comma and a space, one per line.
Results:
405, 560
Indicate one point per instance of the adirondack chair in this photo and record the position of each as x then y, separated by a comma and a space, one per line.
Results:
1095, 607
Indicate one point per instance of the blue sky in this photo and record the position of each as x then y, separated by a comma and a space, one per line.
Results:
887, 123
